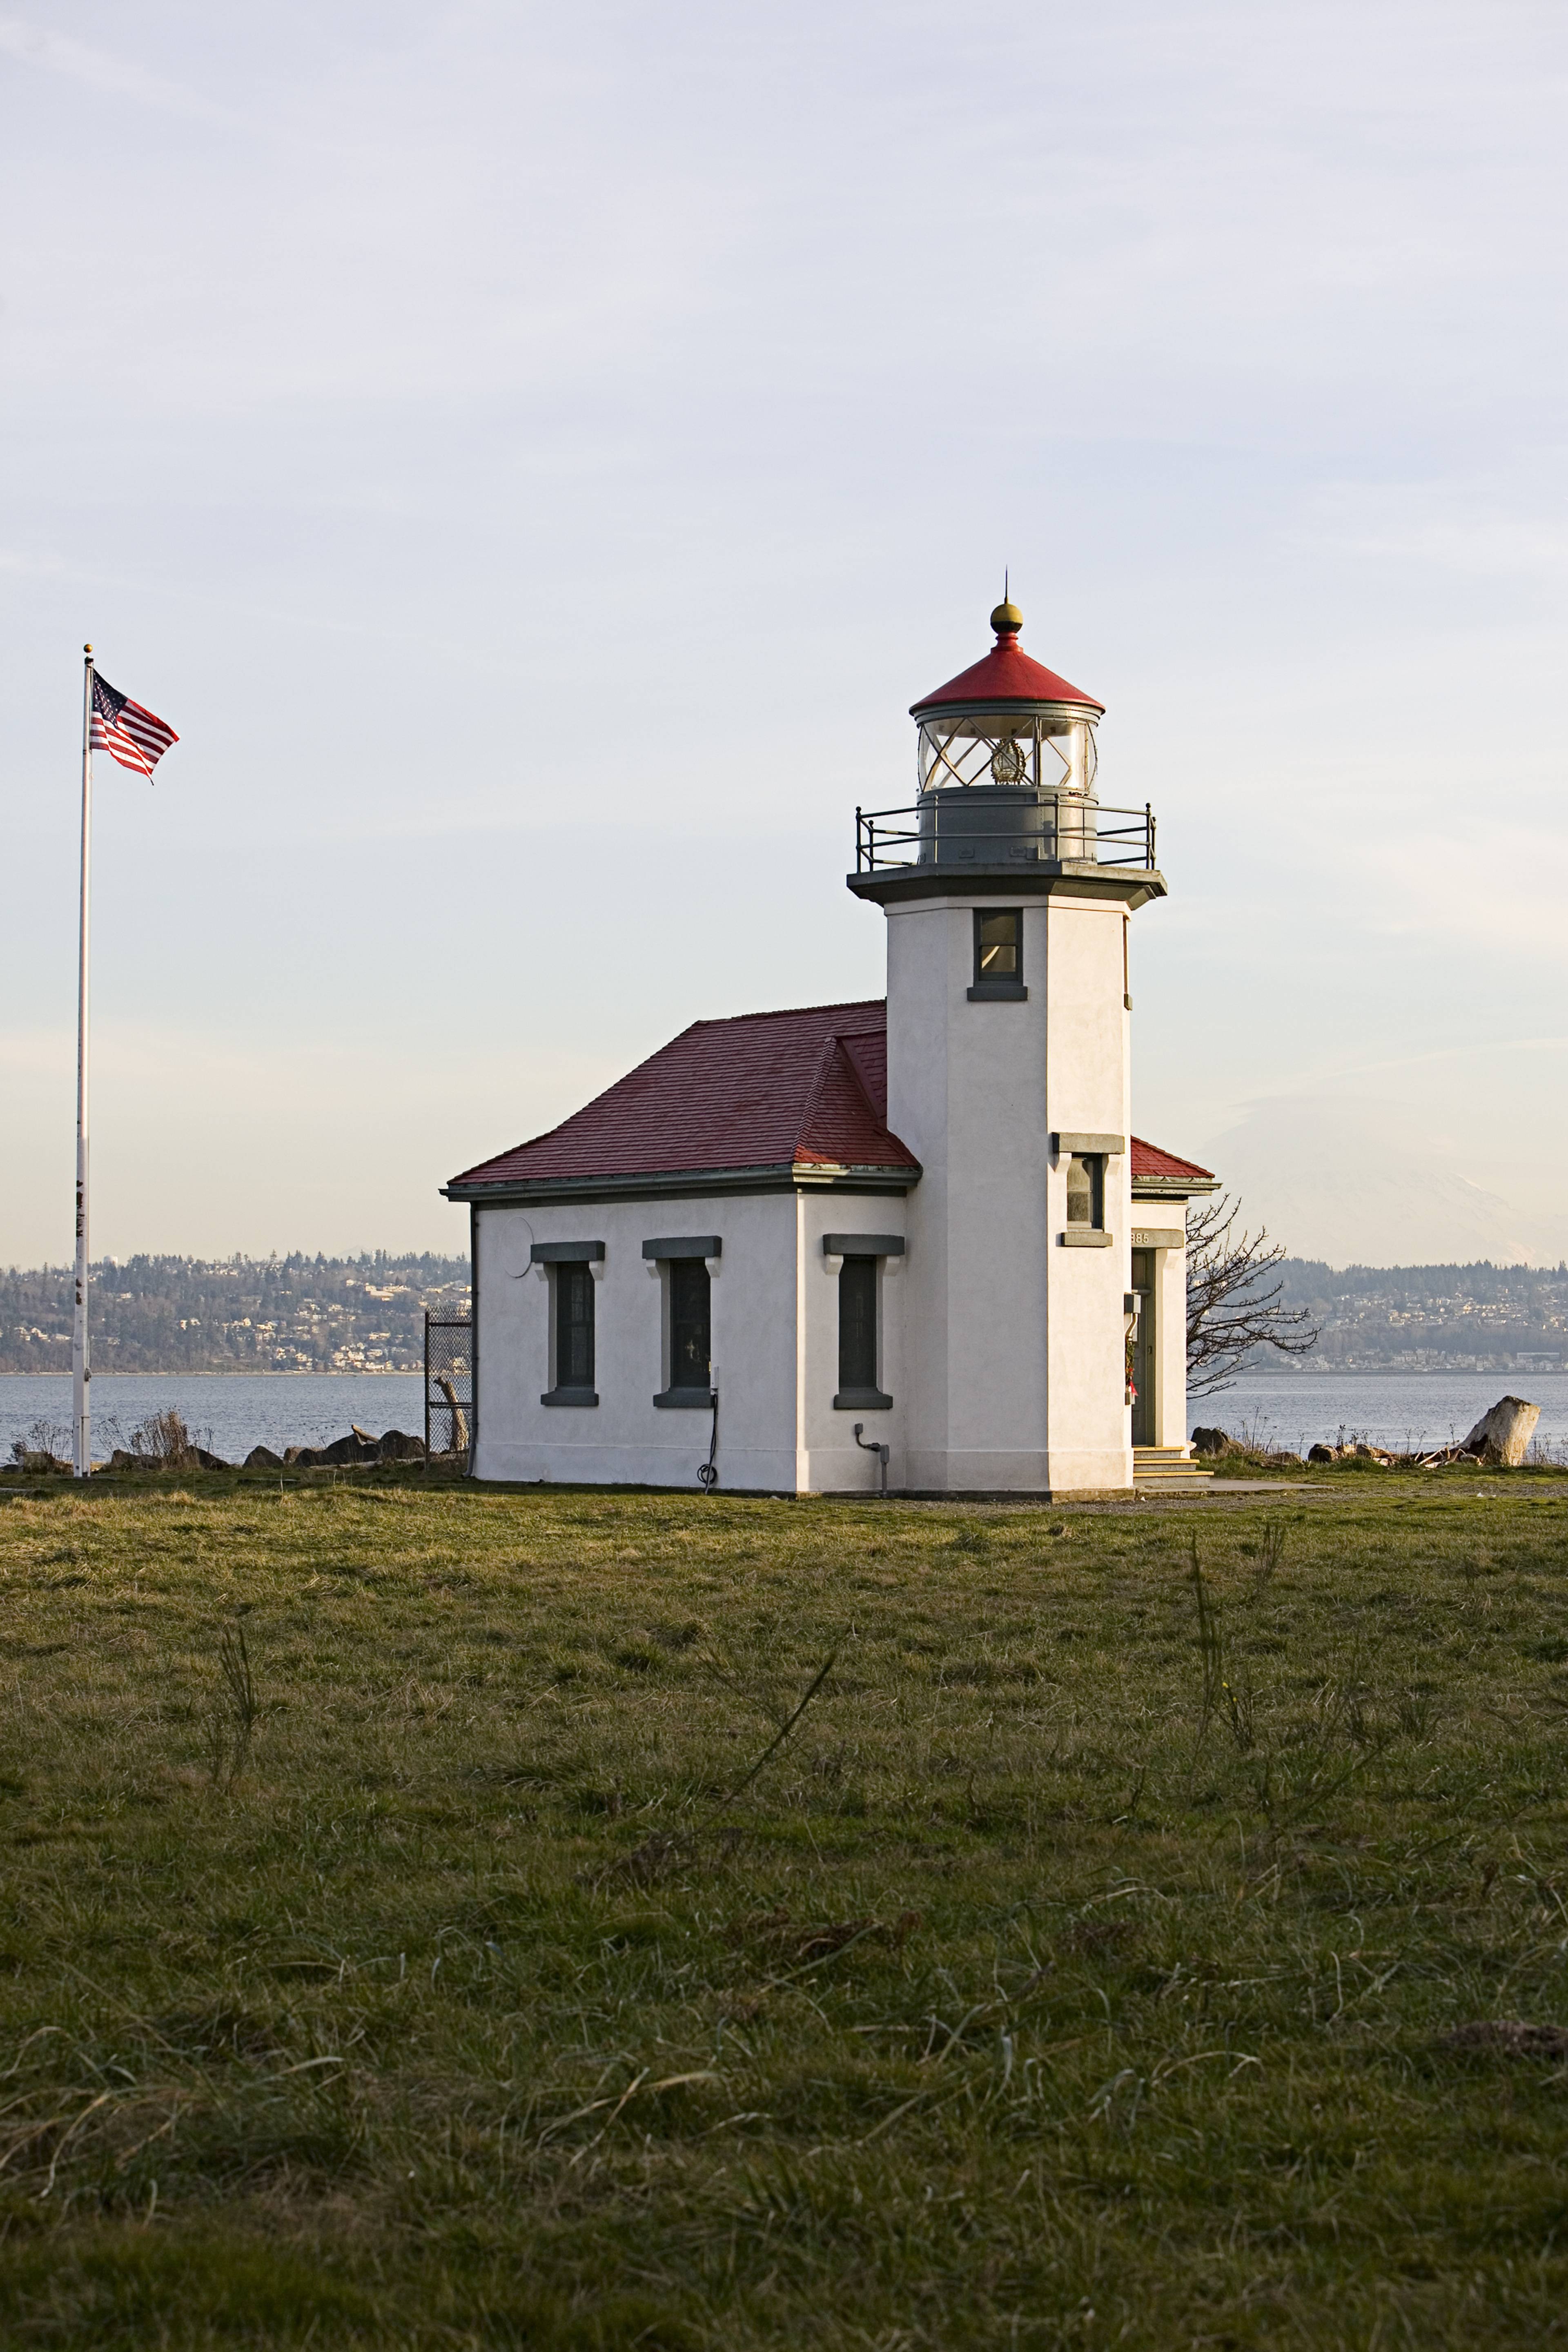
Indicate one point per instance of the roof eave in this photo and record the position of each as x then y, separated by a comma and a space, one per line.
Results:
808, 1171
975, 706
780, 1176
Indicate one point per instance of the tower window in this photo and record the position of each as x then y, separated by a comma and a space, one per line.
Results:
998, 952
1086, 1190
691, 1306
858, 1365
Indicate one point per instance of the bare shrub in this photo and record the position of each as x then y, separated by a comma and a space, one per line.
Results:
45, 1446
164, 1442
1232, 1308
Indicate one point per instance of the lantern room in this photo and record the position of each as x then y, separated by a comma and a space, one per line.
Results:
1006, 761
1008, 722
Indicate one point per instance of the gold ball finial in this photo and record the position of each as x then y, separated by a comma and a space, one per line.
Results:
1007, 620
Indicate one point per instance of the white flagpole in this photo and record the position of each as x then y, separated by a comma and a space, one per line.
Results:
81, 1371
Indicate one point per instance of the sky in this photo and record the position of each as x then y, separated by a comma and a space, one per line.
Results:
534, 456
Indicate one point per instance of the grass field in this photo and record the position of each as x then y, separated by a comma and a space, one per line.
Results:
417, 1932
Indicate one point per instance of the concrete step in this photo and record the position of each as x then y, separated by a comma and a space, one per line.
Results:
1166, 1467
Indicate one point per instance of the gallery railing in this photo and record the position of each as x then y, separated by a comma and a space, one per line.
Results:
1000, 825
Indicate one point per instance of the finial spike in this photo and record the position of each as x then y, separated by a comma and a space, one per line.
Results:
1007, 620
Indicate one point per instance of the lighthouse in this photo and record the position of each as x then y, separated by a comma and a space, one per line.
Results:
873, 1248
1008, 889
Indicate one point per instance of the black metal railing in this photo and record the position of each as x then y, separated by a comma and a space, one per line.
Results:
1003, 826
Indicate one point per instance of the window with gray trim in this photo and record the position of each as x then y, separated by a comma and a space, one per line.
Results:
574, 1325
998, 952
857, 1337
858, 1323
690, 1324
1086, 1190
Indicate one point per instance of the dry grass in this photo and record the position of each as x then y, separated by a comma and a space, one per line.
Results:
397, 1948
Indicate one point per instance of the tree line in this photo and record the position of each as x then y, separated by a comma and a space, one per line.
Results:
172, 1314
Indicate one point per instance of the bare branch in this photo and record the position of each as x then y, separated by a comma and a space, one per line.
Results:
1231, 1306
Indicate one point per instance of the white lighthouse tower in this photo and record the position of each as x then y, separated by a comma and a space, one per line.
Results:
1008, 889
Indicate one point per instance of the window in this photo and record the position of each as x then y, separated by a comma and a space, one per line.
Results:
858, 1337
569, 1268
998, 952
690, 1302
574, 1326
1085, 1164
856, 1262
686, 1265
857, 1324
1086, 1190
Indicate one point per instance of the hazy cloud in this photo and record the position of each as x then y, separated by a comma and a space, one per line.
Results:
120, 76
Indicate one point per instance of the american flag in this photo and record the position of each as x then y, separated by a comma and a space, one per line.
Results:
128, 733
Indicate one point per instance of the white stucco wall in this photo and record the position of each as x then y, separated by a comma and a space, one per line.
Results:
1089, 1090
775, 1320
1016, 1344
966, 1092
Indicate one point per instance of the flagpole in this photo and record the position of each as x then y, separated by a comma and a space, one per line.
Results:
81, 1371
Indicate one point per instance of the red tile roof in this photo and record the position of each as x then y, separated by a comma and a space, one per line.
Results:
804, 1088
1004, 675
1148, 1159
765, 1090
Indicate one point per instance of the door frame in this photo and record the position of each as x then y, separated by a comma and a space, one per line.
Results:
1145, 1351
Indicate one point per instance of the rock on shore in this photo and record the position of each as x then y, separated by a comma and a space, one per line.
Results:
359, 1446
1502, 1434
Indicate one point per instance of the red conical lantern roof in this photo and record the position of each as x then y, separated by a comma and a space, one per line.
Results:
1006, 678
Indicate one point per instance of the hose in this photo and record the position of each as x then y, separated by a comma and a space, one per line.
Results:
708, 1473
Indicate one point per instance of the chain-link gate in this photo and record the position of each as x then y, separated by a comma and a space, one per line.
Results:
449, 1387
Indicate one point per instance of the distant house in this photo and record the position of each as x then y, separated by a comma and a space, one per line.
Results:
789, 1240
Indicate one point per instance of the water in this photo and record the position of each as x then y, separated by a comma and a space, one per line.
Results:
1402, 1410
246, 1409
239, 1409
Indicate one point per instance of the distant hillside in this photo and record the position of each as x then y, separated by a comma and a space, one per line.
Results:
1430, 1319
301, 1314
294, 1314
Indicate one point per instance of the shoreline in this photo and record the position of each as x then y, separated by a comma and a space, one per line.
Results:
415, 1372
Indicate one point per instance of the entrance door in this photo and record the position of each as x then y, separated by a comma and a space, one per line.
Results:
1144, 1357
